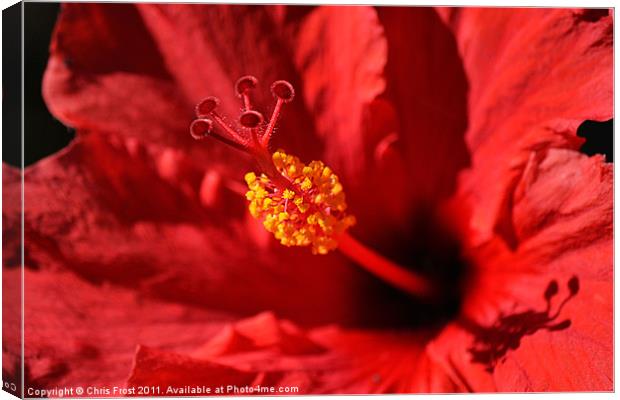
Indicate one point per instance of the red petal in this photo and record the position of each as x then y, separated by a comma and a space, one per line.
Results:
142, 89
567, 193
563, 215
579, 358
384, 362
11, 279
341, 53
413, 134
94, 82
162, 370
11, 216
344, 361
208, 47
551, 69
428, 87
89, 337
260, 332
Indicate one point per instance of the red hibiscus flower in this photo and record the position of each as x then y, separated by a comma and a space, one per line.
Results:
453, 133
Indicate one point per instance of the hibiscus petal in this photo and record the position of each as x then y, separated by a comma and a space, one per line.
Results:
551, 69
89, 338
413, 133
208, 47
97, 80
171, 374
428, 87
565, 192
105, 72
341, 361
540, 318
384, 362
571, 231
341, 53
11, 278
262, 331
11, 216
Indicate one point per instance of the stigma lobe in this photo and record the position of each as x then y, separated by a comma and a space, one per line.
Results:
254, 133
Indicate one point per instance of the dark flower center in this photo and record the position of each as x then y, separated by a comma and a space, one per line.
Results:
432, 251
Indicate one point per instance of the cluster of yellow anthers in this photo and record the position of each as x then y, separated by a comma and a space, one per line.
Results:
311, 214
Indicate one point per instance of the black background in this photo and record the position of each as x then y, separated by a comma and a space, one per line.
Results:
43, 134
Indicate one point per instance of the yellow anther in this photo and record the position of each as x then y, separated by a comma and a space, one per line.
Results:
254, 209
268, 224
260, 193
318, 215
306, 184
277, 158
250, 177
321, 249
288, 194
299, 202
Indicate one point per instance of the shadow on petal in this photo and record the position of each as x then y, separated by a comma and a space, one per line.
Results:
492, 343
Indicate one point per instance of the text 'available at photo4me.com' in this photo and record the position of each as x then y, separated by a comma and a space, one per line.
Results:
155, 390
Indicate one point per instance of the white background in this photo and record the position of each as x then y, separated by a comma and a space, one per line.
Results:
556, 3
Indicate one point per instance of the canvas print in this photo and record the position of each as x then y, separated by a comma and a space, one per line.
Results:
293, 200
